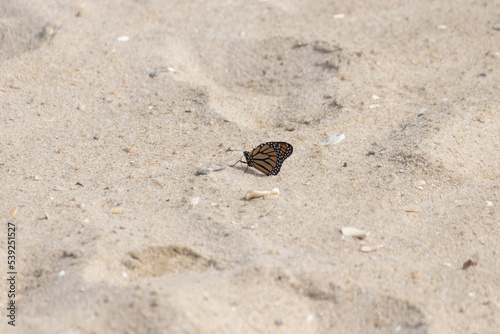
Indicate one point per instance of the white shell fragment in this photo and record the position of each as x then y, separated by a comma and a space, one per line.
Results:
194, 201
208, 168
122, 38
369, 249
256, 193
333, 139
354, 232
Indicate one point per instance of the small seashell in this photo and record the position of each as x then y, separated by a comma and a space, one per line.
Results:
256, 193
442, 27
333, 139
354, 232
116, 210
122, 38
208, 168
338, 16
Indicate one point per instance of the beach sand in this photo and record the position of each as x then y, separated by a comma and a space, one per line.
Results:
108, 109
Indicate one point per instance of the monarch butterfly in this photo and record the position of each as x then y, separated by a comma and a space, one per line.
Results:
267, 157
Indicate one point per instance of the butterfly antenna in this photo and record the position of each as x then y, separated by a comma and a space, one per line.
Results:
232, 150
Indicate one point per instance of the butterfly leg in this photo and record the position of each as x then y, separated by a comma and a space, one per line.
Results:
243, 162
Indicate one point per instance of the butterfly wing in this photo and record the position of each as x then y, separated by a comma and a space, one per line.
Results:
264, 158
269, 157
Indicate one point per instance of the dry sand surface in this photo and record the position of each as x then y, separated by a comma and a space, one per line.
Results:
116, 234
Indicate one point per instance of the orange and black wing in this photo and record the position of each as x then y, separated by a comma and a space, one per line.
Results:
269, 157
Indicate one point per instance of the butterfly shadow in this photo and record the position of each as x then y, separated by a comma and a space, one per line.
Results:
249, 170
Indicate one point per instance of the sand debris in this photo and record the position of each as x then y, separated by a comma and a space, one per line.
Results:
468, 263
131, 149
369, 249
116, 210
333, 139
257, 193
208, 168
354, 232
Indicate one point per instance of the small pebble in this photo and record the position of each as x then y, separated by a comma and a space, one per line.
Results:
131, 149
333, 139
496, 26
338, 16
122, 39
61, 273
48, 31
371, 152
208, 168
468, 263
489, 203
442, 27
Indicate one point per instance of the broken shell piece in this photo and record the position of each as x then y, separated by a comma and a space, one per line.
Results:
208, 168
256, 193
354, 232
333, 139
369, 249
